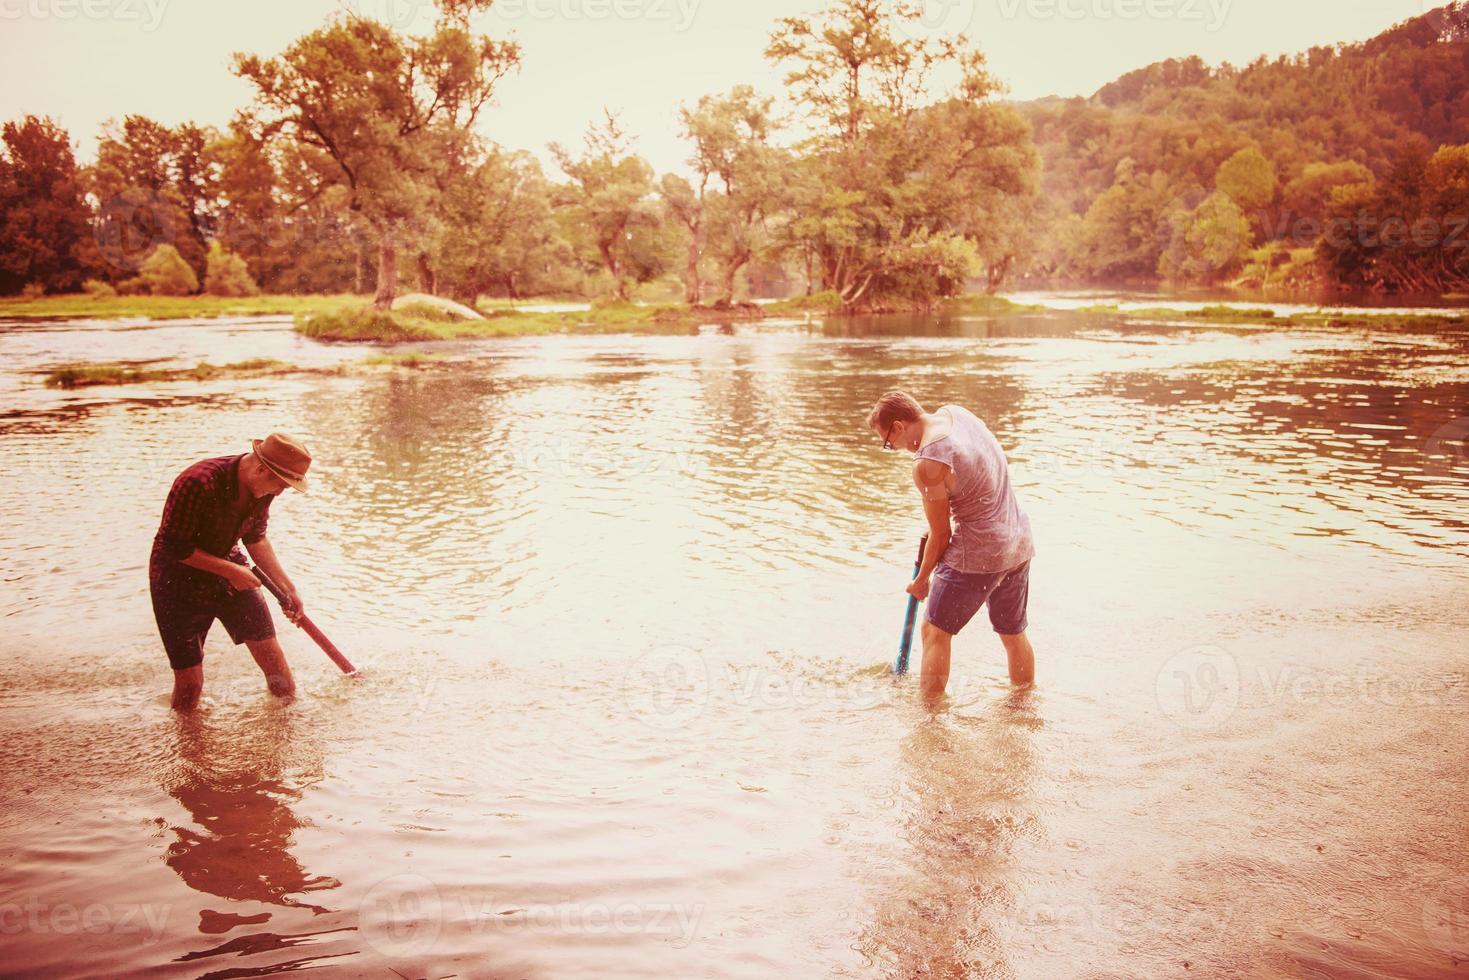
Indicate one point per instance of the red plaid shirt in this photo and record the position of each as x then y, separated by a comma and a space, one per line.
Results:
203, 512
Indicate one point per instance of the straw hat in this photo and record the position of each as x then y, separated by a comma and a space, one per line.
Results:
285, 457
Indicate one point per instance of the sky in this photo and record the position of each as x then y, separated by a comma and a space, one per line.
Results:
85, 61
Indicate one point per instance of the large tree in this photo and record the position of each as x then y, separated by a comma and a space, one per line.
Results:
609, 206
45, 223
738, 182
388, 115
908, 169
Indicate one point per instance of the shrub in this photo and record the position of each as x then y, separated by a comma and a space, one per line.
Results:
98, 289
165, 273
227, 275
34, 290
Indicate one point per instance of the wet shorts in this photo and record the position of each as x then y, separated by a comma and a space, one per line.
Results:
183, 625
955, 597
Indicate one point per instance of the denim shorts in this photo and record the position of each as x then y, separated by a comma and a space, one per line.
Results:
955, 597
183, 623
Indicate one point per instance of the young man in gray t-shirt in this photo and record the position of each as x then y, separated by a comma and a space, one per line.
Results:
979, 544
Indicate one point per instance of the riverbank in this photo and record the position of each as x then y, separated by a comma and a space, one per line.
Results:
422, 322
351, 319
1222, 313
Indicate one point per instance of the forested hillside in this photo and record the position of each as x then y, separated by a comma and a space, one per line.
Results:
1340, 165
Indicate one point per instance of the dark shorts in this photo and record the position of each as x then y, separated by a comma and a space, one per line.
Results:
184, 623
955, 597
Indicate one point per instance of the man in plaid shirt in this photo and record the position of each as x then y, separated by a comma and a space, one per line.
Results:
197, 573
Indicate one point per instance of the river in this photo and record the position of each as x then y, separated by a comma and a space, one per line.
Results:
624, 608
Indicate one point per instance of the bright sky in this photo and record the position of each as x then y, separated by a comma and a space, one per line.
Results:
83, 61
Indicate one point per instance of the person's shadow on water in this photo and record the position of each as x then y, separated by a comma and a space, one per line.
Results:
968, 786
238, 782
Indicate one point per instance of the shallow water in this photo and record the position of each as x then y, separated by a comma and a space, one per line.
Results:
624, 607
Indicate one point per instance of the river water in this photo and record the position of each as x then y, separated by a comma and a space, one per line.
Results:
624, 608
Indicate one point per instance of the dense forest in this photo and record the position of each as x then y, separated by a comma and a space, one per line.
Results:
1341, 166
359, 167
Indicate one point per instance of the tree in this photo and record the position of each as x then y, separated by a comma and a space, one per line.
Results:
685, 204
732, 146
1206, 243
1249, 180
904, 172
500, 234
227, 274
732, 137
387, 114
1305, 198
155, 185
164, 273
1126, 228
45, 223
608, 203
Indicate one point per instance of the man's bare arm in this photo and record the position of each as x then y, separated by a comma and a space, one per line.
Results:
265, 557
932, 480
236, 575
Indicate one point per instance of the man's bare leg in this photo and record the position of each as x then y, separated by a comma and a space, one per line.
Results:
1022, 659
272, 660
935, 671
188, 684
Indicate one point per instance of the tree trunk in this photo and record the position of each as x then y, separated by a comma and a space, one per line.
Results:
692, 291
731, 270
427, 280
387, 272
359, 285
997, 272
614, 268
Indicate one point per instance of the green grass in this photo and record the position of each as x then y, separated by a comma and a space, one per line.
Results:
90, 373
410, 359
1229, 314
86, 374
364, 324
82, 306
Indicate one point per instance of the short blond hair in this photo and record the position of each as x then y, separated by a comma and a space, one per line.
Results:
895, 406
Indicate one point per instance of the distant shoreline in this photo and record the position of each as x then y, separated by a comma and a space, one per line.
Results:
350, 319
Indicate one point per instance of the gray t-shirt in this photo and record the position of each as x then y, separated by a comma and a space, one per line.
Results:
991, 532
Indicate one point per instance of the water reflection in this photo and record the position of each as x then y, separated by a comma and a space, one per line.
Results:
239, 783
503, 541
951, 910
